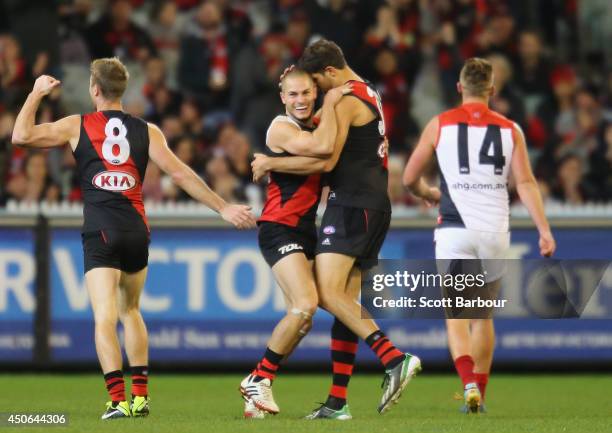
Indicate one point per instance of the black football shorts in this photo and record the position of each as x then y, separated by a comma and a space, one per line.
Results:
279, 240
127, 251
354, 232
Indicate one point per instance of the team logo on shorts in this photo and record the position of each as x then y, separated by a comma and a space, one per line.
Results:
331, 196
289, 247
326, 241
329, 230
114, 181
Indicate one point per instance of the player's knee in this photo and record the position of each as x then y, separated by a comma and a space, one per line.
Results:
127, 311
304, 312
106, 319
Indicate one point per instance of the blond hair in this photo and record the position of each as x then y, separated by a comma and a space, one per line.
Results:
476, 76
111, 76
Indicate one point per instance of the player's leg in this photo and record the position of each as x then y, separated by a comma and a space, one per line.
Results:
294, 275
136, 338
102, 286
493, 248
454, 245
332, 271
344, 344
483, 343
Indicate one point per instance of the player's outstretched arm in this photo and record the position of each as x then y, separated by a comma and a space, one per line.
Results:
529, 193
26, 133
320, 142
238, 215
420, 158
304, 165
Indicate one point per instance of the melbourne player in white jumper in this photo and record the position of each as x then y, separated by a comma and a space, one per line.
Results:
477, 149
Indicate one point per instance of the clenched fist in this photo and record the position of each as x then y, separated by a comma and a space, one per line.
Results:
44, 85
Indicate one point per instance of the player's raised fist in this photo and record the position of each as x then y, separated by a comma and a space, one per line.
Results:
44, 84
239, 215
547, 244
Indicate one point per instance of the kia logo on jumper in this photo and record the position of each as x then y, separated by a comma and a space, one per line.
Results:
114, 181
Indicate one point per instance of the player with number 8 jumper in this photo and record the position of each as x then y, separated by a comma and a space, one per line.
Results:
112, 150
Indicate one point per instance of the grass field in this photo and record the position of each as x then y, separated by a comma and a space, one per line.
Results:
211, 403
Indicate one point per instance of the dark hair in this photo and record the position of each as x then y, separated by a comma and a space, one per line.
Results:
320, 55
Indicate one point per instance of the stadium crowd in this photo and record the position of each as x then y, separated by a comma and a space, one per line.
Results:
207, 73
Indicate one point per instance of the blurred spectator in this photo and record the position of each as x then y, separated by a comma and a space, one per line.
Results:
162, 101
165, 29
497, 36
532, 66
601, 164
204, 64
33, 184
220, 177
338, 20
238, 151
506, 99
255, 100
115, 34
396, 29
393, 89
571, 186
555, 116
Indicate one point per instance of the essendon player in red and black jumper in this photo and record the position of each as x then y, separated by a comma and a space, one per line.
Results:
353, 227
112, 156
112, 150
287, 231
287, 222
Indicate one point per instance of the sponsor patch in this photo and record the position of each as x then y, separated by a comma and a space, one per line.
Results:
114, 181
289, 247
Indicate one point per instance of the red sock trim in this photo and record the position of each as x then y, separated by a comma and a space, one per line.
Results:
269, 365
344, 346
390, 356
342, 368
338, 391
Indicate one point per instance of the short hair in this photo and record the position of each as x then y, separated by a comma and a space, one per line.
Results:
320, 55
111, 76
476, 76
294, 72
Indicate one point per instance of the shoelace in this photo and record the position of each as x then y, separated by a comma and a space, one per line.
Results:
385, 381
317, 409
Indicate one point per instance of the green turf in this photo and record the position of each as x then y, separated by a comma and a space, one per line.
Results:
211, 403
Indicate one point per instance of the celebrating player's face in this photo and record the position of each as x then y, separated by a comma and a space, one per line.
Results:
299, 95
324, 81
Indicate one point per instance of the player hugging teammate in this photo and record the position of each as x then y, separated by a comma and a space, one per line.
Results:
352, 231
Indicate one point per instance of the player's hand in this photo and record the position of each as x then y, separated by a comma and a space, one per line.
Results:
285, 72
333, 96
239, 215
45, 84
547, 244
260, 167
433, 197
